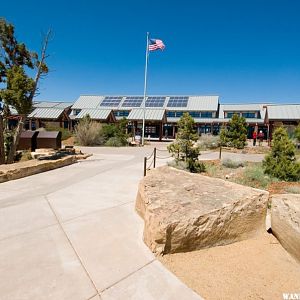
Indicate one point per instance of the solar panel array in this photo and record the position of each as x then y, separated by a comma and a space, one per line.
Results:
155, 101
135, 101
111, 101
180, 101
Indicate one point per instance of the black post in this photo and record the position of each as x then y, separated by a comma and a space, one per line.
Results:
220, 153
145, 166
154, 158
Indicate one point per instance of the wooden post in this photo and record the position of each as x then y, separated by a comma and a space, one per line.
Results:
220, 153
154, 158
145, 166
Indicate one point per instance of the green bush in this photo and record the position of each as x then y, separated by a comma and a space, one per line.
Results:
65, 133
196, 167
181, 165
235, 134
281, 162
114, 142
209, 141
185, 147
88, 132
293, 189
254, 176
232, 164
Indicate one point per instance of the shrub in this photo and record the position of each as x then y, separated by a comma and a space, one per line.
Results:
281, 162
232, 164
181, 165
209, 141
185, 147
235, 134
293, 189
114, 142
297, 133
65, 133
254, 176
88, 132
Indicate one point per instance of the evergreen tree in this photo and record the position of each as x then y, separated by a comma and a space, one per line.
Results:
235, 134
17, 87
185, 147
297, 133
281, 162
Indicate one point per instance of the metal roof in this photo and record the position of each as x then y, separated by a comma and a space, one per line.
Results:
243, 108
196, 103
46, 113
150, 114
87, 102
202, 103
50, 104
95, 114
284, 112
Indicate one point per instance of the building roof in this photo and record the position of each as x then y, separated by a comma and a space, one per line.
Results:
87, 102
196, 103
95, 114
50, 104
284, 112
197, 120
46, 113
153, 114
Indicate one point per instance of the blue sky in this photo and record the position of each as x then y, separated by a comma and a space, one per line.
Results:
243, 51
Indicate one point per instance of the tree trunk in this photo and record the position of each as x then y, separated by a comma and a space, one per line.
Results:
15, 143
2, 152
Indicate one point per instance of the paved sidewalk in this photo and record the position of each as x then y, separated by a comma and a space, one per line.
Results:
72, 233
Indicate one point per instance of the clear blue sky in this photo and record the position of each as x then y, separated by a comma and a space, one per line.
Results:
241, 50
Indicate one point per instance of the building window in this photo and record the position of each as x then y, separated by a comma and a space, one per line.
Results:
195, 114
77, 111
250, 115
121, 113
206, 114
171, 114
230, 114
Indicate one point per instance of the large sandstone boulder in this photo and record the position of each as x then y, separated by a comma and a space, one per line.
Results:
285, 221
184, 212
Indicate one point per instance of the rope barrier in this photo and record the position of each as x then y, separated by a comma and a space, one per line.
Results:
163, 157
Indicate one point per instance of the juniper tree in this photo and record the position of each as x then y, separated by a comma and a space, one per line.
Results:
17, 87
281, 162
185, 147
235, 134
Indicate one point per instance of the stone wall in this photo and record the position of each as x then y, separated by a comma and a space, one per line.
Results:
31, 167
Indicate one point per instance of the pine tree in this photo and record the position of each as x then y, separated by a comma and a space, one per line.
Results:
281, 162
235, 134
185, 147
19, 88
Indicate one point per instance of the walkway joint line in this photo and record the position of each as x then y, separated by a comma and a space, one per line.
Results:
78, 256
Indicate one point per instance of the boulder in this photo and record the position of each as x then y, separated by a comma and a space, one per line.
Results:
285, 221
184, 212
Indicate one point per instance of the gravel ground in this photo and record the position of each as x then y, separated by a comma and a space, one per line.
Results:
258, 268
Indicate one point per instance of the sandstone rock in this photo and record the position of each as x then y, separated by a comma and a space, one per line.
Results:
184, 212
285, 220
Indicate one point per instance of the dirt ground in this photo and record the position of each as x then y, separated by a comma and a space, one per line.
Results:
257, 268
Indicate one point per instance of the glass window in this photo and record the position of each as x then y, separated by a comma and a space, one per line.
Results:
250, 115
206, 114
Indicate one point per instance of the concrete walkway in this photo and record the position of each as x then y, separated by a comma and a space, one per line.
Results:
72, 233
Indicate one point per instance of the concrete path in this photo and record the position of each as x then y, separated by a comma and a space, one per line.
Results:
72, 233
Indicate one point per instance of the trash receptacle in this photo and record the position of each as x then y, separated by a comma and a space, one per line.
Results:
28, 140
49, 139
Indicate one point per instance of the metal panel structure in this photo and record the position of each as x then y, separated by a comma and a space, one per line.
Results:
284, 112
46, 113
150, 114
203, 103
87, 102
133, 101
111, 101
95, 114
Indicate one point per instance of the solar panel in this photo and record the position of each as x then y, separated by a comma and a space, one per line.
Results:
111, 101
155, 101
134, 101
180, 101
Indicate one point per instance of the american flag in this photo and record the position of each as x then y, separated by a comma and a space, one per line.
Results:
156, 44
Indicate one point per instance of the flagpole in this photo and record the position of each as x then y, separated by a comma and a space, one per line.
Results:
145, 90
